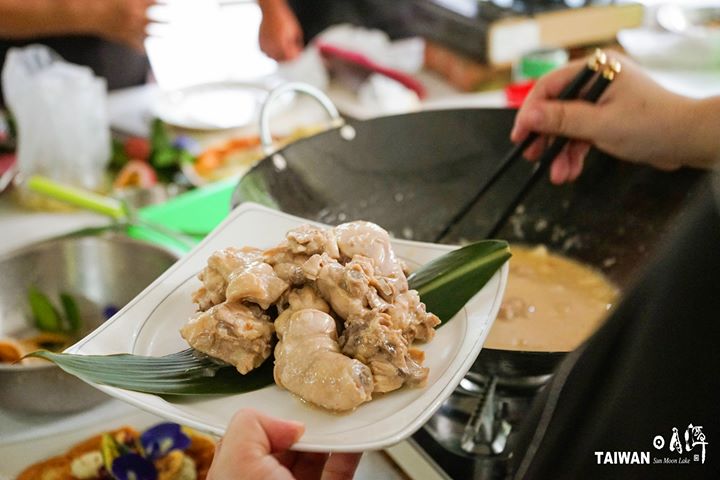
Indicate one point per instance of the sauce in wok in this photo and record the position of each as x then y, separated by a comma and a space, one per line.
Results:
551, 303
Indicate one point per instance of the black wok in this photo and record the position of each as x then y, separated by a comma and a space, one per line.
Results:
412, 173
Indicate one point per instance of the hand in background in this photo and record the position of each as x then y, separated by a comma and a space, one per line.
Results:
281, 36
257, 446
635, 120
121, 21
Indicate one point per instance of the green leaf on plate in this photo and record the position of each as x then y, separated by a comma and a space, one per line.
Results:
445, 285
183, 373
46, 318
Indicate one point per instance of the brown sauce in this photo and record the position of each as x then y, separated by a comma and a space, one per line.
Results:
551, 303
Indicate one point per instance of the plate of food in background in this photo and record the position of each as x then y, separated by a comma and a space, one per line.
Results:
357, 356
212, 106
140, 444
233, 157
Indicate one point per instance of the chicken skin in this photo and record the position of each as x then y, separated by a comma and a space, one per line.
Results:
216, 274
235, 333
308, 362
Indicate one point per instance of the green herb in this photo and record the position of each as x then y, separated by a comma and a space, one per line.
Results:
185, 157
46, 317
445, 285
109, 449
166, 157
159, 135
72, 313
118, 156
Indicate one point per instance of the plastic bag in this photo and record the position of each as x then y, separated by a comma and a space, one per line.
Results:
60, 110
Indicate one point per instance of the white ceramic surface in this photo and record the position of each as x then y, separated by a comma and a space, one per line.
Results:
149, 326
217, 106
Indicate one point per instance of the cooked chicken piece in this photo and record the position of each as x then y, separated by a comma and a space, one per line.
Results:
232, 332
345, 287
309, 240
215, 276
372, 340
301, 243
311, 267
255, 282
307, 297
308, 362
287, 265
354, 288
369, 240
408, 314
299, 299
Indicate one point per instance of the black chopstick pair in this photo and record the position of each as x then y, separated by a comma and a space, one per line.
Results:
609, 71
598, 63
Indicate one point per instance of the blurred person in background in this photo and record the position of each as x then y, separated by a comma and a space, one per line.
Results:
105, 35
281, 36
288, 25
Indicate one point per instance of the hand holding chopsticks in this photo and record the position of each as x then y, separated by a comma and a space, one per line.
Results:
638, 120
570, 91
598, 87
597, 66
609, 72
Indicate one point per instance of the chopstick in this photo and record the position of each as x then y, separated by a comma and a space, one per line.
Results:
571, 91
595, 91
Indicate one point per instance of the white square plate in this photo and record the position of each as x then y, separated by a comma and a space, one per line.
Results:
149, 325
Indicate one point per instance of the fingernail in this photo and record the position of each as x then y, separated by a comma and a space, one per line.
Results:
300, 429
513, 132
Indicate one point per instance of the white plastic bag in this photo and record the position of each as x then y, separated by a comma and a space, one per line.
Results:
407, 55
61, 114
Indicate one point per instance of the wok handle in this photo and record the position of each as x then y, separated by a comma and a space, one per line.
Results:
316, 93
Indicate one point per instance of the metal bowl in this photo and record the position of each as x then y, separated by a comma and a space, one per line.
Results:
102, 269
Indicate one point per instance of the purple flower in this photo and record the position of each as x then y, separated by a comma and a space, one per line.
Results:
132, 466
183, 142
161, 439
109, 311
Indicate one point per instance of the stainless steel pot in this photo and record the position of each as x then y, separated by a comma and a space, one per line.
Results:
103, 269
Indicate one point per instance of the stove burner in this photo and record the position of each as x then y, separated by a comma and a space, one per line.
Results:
472, 435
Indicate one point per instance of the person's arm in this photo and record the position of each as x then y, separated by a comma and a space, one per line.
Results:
122, 21
280, 36
32, 18
635, 120
703, 128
